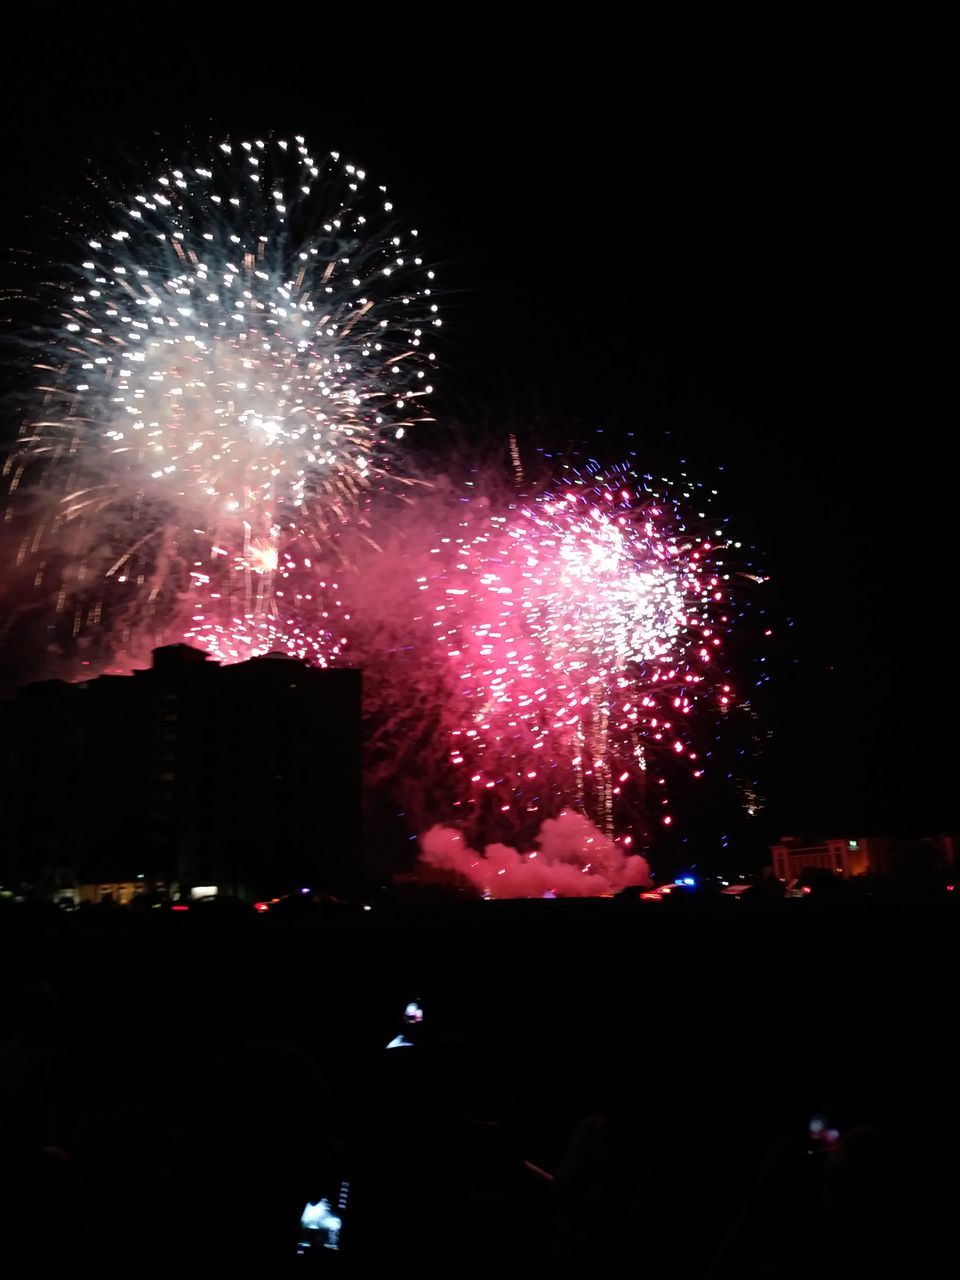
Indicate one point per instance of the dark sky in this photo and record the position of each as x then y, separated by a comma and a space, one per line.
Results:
741, 259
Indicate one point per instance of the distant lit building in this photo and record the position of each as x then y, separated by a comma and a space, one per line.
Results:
246, 776
854, 856
122, 893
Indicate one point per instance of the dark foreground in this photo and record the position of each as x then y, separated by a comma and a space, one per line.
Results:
175, 1088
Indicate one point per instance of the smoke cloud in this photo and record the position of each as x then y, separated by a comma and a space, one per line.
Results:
574, 859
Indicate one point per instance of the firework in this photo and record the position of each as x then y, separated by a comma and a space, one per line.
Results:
584, 627
244, 341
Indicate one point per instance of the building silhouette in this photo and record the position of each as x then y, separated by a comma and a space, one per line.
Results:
246, 777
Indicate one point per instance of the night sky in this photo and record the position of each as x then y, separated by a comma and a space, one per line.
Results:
742, 266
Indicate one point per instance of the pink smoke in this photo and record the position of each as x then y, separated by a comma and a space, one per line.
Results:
574, 860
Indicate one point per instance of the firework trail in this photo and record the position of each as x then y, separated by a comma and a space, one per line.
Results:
243, 342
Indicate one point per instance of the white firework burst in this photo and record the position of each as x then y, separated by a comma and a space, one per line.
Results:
246, 338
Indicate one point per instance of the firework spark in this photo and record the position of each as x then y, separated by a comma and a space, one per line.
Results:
244, 340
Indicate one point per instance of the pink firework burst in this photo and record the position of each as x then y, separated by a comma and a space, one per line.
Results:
584, 628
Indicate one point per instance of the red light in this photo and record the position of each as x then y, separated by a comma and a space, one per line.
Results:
950, 888
179, 907
807, 889
667, 820
261, 906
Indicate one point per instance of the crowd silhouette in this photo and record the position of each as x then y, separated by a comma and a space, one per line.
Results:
156, 1125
